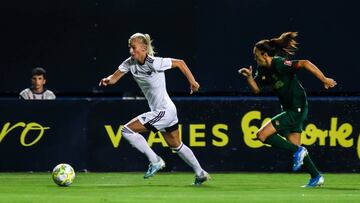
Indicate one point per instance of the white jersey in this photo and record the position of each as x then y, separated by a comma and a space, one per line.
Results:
28, 94
151, 79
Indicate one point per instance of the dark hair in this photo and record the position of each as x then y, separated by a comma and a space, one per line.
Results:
284, 45
38, 71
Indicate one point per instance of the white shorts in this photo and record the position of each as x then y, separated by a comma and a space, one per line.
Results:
161, 120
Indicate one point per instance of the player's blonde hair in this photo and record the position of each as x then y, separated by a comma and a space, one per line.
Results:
146, 40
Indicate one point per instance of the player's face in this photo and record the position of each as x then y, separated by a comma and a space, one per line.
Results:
260, 58
38, 82
137, 49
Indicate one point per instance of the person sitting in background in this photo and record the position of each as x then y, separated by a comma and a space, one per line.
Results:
37, 90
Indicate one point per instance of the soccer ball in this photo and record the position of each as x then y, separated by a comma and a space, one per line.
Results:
63, 174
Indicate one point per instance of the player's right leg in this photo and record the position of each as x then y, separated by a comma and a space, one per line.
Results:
173, 140
315, 182
131, 133
316, 178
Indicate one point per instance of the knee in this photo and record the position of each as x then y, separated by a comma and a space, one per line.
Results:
261, 136
174, 144
125, 128
126, 131
173, 141
177, 147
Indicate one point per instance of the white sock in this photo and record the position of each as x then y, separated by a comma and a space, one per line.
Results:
188, 156
139, 142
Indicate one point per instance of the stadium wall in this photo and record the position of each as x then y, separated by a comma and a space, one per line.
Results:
37, 135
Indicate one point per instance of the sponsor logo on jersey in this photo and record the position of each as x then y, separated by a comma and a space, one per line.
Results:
277, 122
288, 63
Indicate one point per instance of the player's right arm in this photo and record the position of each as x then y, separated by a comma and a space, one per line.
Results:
111, 79
247, 72
328, 82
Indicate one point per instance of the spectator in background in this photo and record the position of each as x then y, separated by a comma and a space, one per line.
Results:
37, 91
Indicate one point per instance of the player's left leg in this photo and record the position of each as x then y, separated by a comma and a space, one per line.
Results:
269, 135
173, 140
316, 178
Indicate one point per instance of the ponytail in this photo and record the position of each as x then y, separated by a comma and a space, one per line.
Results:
284, 45
150, 48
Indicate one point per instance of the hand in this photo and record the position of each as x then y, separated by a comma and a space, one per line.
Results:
104, 82
329, 83
247, 72
194, 87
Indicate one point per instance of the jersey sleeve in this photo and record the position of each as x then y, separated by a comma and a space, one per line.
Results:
162, 64
125, 66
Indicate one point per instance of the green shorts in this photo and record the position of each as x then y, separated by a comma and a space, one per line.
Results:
290, 121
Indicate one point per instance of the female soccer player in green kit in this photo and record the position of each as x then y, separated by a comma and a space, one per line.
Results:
279, 73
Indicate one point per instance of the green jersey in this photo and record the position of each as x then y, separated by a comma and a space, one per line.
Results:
281, 78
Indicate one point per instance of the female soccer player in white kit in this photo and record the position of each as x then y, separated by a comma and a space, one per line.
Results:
148, 72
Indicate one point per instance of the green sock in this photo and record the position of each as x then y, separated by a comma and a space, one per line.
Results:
310, 166
276, 141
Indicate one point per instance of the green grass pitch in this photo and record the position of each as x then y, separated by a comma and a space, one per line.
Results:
175, 187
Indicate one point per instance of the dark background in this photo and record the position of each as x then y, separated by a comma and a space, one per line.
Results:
79, 42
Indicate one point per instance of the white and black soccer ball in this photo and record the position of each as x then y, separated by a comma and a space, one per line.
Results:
63, 174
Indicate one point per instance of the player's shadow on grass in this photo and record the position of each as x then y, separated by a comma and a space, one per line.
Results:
151, 186
339, 188
144, 186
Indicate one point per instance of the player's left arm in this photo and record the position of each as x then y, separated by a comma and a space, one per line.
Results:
306, 64
177, 63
